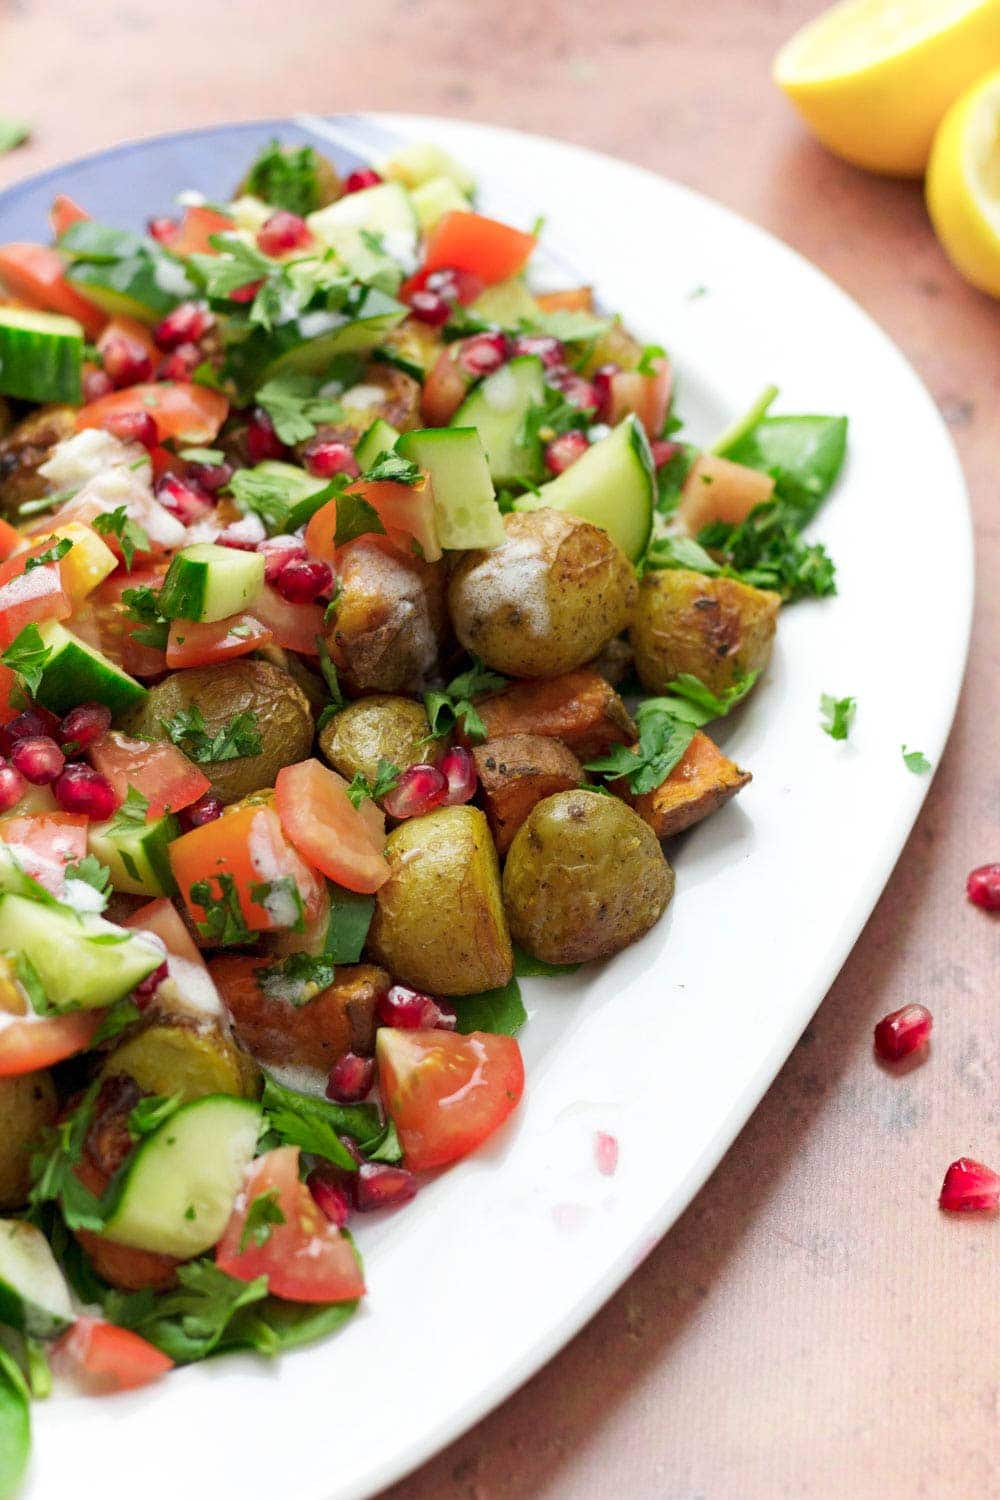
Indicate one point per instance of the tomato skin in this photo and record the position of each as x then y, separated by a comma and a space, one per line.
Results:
406, 511
470, 242
646, 395
101, 620
446, 1092
330, 833
192, 644
196, 227
305, 1259
26, 1046
64, 212
30, 598
157, 769
36, 274
8, 685
106, 1358
162, 918
445, 388
51, 841
295, 627
10, 539
179, 409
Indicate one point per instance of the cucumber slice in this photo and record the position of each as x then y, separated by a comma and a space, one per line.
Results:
81, 961
41, 355
139, 286
311, 342
78, 673
466, 513
422, 160
384, 210
381, 437
497, 408
612, 485
137, 856
207, 583
435, 198
178, 1190
508, 303
34, 1296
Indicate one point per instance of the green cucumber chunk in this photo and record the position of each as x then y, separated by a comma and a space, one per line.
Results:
41, 356
498, 408
178, 1189
81, 961
381, 437
466, 513
435, 198
34, 1297
612, 485
508, 303
384, 210
78, 673
207, 583
137, 855
311, 342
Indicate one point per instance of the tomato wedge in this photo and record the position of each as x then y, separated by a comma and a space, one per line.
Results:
197, 226
162, 918
327, 829
192, 644
466, 241
46, 844
158, 770
36, 273
445, 388
180, 410
64, 212
105, 1358
27, 1045
9, 685
31, 597
304, 1256
647, 395
295, 627
445, 1092
10, 539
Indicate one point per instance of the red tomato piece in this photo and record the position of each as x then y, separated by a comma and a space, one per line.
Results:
9, 685
305, 1257
406, 511
162, 918
446, 1092
157, 769
26, 1046
36, 274
193, 413
445, 388
191, 644
295, 627
136, 335
31, 597
647, 395
197, 226
330, 833
46, 844
105, 1358
471, 242
64, 212
10, 539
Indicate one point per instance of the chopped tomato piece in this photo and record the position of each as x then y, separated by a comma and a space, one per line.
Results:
328, 830
193, 413
303, 1255
46, 844
471, 242
64, 212
647, 395
295, 627
87, 563
135, 335
9, 685
158, 770
102, 621
36, 274
162, 918
571, 299
445, 1092
445, 388
406, 511
26, 1046
10, 539
31, 597
191, 644
106, 1358
196, 228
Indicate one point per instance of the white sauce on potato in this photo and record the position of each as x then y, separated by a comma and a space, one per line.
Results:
515, 574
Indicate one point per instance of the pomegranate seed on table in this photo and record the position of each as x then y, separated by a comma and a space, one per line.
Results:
282, 232
28, 725
184, 324
577, 391
663, 450
969, 1187
132, 427
80, 789
983, 887
205, 810
183, 498
551, 351
350, 1078
95, 385
12, 787
430, 307
419, 790
325, 459
182, 364
459, 770
39, 760
564, 450
407, 1009
377, 1185
262, 440
482, 353
902, 1032
210, 477
162, 229
303, 579
601, 381
332, 1199
126, 362
364, 177
278, 551
84, 724
146, 988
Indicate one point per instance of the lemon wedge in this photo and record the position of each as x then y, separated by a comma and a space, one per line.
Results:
873, 78
963, 184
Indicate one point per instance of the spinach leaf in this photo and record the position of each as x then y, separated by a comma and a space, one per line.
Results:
501, 1010
804, 453
526, 967
15, 1424
271, 1326
350, 918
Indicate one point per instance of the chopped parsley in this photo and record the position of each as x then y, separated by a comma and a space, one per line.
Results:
237, 738
143, 606
690, 700
838, 716
263, 1215
916, 761
286, 177
293, 403
116, 1019
453, 704
54, 1179
131, 814
150, 1113
51, 554
13, 133
386, 779
395, 467
650, 353
767, 551
30, 981
28, 656
297, 979
282, 900
223, 923
131, 536
90, 870
663, 739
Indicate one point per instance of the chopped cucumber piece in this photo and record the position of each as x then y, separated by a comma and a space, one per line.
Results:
34, 1297
498, 407
611, 485
137, 855
436, 197
311, 342
508, 303
384, 210
78, 673
41, 355
381, 437
207, 583
466, 513
81, 961
178, 1189
422, 160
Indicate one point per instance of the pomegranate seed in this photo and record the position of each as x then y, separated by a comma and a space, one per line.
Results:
262, 440
447, 1016
364, 177
419, 790
147, 988
606, 1152
186, 324
238, 538
430, 307
983, 887
663, 450
601, 381
210, 477
455, 285
162, 229
279, 550
205, 810
902, 1032
459, 771
80, 789
564, 450
28, 725
551, 351
95, 385
303, 579
407, 1009
283, 232
12, 787
182, 364
39, 760
126, 361
577, 391
132, 427
84, 724
326, 459
184, 499
246, 293
350, 1078
969, 1187
332, 1199
377, 1185
483, 353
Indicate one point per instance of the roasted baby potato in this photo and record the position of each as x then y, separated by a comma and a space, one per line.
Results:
702, 780
584, 877
615, 662
24, 449
517, 772
27, 1105
382, 391
379, 727
715, 628
336, 1020
281, 715
439, 922
175, 1055
582, 709
547, 599
390, 622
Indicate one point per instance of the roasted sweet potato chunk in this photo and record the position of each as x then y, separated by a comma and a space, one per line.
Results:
516, 772
338, 1019
702, 780
580, 708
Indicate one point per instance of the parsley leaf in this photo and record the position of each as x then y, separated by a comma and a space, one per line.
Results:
314, 1125
394, 466
329, 671
116, 1019
237, 265
131, 814
297, 979
52, 1168
690, 700
262, 1215
445, 708
130, 534
30, 981
916, 761
767, 551
152, 1112
680, 552
292, 402
188, 1322
90, 870
27, 655
237, 738
50, 555
386, 779
286, 177
223, 923
663, 739
650, 353
143, 605
838, 714
13, 133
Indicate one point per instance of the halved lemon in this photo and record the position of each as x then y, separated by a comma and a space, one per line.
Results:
963, 184
873, 78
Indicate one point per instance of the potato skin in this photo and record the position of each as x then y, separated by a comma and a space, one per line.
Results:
26, 446
338, 1019
718, 629
281, 709
390, 623
439, 921
547, 599
171, 1056
378, 727
518, 771
27, 1105
585, 876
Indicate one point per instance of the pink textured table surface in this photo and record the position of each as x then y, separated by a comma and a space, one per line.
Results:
812, 1327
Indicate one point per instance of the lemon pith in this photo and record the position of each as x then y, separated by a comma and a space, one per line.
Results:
963, 184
